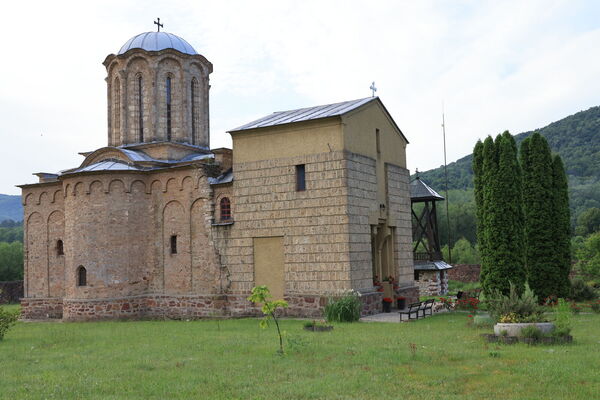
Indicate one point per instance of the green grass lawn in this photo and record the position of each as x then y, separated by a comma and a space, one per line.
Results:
235, 359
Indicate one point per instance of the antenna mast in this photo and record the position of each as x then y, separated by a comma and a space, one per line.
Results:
447, 198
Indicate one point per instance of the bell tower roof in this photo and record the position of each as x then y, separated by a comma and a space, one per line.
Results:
156, 41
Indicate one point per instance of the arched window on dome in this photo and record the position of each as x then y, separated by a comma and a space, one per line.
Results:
139, 107
116, 119
60, 249
168, 99
81, 276
225, 206
195, 101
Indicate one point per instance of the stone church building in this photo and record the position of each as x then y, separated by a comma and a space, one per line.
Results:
311, 202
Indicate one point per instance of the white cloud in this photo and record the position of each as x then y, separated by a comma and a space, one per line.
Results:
497, 65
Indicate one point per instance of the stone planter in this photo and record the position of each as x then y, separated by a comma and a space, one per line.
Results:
515, 329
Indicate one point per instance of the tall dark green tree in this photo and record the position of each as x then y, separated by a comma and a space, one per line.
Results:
478, 191
504, 221
561, 218
538, 198
484, 169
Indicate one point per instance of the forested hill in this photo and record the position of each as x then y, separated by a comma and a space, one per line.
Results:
576, 138
10, 208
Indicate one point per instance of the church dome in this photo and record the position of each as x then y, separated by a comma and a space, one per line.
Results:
155, 41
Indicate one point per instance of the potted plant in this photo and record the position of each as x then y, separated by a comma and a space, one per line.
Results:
387, 304
515, 312
401, 302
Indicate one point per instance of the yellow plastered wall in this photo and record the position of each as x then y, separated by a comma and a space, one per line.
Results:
268, 264
359, 137
311, 137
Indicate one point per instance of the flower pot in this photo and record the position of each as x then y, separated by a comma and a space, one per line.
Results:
401, 304
514, 329
387, 307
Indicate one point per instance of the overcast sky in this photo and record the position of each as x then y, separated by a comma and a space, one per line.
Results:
496, 65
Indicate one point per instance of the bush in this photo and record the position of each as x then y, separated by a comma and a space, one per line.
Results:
532, 332
344, 309
595, 306
515, 308
580, 291
562, 319
7, 319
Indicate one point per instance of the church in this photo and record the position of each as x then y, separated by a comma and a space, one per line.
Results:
311, 202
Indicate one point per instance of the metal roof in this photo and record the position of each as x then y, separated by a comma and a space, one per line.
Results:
431, 265
305, 114
106, 166
419, 190
227, 177
155, 41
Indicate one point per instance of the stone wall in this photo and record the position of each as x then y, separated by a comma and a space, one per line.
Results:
399, 205
178, 307
313, 223
465, 272
11, 292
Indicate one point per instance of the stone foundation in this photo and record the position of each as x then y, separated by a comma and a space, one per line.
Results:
411, 293
42, 308
188, 307
182, 307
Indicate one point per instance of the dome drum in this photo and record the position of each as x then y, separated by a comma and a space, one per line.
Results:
158, 92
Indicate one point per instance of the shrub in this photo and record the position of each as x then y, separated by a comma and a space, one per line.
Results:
562, 319
7, 319
344, 309
515, 308
532, 332
595, 306
580, 291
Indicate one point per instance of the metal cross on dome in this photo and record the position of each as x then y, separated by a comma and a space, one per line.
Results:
373, 89
159, 25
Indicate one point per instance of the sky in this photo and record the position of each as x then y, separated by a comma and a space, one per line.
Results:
490, 66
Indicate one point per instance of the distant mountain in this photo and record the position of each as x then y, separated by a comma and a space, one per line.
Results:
576, 138
10, 208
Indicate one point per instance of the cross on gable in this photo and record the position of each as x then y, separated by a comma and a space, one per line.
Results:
159, 25
373, 89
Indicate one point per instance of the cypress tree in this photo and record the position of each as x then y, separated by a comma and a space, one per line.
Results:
536, 161
504, 219
561, 222
478, 192
487, 166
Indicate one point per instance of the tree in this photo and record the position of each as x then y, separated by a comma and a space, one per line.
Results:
589, 256
562, 226
11, 261
484, 166
261, 294
538, 203
588, 222
499, 214
504, 221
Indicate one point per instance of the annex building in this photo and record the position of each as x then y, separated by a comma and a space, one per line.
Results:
311, 202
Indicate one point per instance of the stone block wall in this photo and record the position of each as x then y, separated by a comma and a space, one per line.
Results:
361, 179
313, 223
398, 193
11, 292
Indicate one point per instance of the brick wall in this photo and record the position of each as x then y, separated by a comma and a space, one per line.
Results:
464, 272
